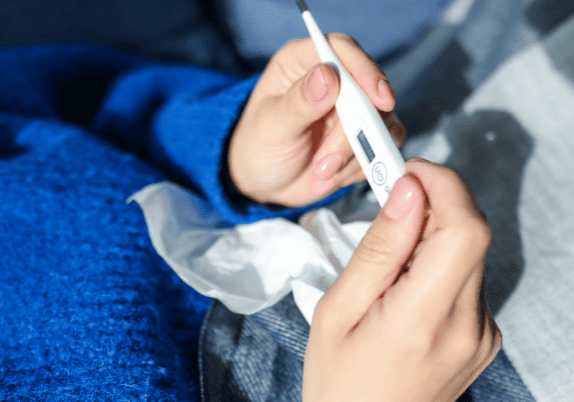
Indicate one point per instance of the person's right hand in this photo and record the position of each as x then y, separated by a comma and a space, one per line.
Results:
407, 319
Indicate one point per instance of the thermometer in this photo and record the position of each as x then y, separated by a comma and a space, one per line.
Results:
370, 139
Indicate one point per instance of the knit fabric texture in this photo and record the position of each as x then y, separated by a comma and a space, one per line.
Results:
88, 310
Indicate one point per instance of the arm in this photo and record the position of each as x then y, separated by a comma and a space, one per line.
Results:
275, 155
272, 155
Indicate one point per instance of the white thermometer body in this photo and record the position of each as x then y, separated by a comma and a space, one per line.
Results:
370, 139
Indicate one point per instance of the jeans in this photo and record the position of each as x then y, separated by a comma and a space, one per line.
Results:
259, 357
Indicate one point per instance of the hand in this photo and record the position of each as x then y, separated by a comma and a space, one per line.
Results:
407, 319
288, 147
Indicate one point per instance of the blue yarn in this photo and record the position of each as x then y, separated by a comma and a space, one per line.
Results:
88, 310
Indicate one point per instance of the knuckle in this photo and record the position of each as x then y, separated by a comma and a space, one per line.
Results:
324, 316
472, 234
374, 249
426, 337
483, 233
465, 347
447, 174
479, 232
420, 345
475, 218
420, 348
321, 308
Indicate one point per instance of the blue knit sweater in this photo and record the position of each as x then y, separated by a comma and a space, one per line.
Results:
88, 310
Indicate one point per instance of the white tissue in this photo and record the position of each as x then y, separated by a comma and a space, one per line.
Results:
249, 267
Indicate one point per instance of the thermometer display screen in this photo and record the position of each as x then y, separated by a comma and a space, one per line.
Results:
366, 146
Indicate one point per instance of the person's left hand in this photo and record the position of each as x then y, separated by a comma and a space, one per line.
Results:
289, 147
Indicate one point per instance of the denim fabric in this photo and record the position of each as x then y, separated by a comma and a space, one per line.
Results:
499, 383
259, 358
255, 357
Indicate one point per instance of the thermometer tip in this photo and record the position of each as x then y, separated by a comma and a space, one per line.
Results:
302, 5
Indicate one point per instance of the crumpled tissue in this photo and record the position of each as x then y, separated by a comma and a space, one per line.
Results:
251, 267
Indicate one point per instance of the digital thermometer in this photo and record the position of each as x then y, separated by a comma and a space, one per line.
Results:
370, 140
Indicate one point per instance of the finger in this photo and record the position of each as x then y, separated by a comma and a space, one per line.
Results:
308, 100
449, 198
350, 174
354, 179
379, 257
299, 55
351, 171
395, 127
366, 72
448, 257
335, 152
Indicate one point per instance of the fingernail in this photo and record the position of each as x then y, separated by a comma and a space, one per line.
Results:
383, 88
321, 187
316, 88
328, 166
400, 201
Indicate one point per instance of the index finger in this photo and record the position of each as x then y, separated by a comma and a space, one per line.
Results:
294, 59
453, 253
449, 198
364, 70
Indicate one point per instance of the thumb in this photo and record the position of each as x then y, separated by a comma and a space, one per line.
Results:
381, 254
307, 100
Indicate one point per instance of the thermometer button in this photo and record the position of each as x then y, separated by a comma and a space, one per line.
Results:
379, 173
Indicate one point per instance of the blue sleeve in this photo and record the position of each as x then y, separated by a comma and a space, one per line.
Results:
177, 117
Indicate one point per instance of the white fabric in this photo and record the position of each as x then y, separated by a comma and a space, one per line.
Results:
249, 267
